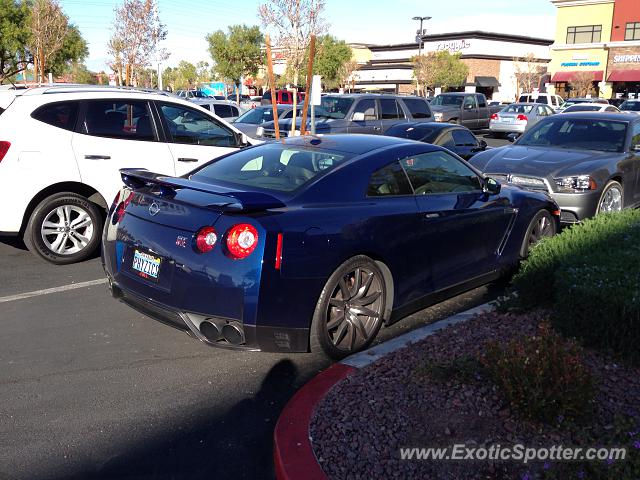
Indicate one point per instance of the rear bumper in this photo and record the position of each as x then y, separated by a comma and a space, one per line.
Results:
506, 128
255, 338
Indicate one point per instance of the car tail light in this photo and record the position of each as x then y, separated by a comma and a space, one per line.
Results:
242, 240
122, 206
4, 148
279, 252
522, 118
494, 116
206, 239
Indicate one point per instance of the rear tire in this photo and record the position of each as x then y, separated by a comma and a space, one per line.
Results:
542, 225
350, 309
64, 228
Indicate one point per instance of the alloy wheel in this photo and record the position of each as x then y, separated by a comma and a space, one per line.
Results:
611, 201
67, 229
542, 228
354, 309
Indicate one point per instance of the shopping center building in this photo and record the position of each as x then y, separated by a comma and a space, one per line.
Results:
493, 60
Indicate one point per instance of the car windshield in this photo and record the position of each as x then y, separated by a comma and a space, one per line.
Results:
333, 107
630, 106
271, 166
414, 132
515, 108
577, 133
455, 100
257, 116
582, 107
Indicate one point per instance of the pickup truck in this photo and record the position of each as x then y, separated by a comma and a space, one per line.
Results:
468, 109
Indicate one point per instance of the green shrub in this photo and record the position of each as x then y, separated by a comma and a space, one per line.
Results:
589, 275
542, 376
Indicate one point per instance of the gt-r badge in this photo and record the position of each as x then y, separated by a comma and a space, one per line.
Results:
181, 241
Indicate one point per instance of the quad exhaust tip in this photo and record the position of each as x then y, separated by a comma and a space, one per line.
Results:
233, 333
210, 331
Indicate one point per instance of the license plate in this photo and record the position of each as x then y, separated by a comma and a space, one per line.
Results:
146, 265
507, 119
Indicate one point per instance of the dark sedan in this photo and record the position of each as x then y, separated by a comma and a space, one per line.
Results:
313, 242
456, 138
588, 162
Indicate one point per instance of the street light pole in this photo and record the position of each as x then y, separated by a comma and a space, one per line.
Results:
419, 40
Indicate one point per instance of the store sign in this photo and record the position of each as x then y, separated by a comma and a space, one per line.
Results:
453, 45
626, 59
579, 64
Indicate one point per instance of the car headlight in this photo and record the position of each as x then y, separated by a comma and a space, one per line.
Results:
578, 183
437, 116
259, 131
526, 181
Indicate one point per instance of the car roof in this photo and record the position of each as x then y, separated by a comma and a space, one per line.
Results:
460, 93
374, 95
533, 104
351, 142
429, 125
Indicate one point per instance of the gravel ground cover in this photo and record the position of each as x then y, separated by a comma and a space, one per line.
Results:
398, 401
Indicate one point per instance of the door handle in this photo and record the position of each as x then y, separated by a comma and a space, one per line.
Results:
377, 128
97, 157
432, 215
183, 159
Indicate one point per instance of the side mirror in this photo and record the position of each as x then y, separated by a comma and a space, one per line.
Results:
468, 106
491, 186
512, 137
241, 139
483, 145
358, 117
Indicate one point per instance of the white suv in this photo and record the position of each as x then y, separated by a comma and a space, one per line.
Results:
61, 149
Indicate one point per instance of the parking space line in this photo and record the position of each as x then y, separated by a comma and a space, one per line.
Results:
47, 291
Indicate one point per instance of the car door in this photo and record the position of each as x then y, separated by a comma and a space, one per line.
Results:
115, 134
470, 112
370, 122
194, 137
469, 223
390, 113
483, 111
465, 143
635, 151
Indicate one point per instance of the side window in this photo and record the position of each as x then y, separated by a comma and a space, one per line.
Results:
125, 120
286, 98
462, 138
439, 172
289, 114
389, 180
368, 107
469, 102
191, 127
446, 140
418, 108
635, 139
481, 101
542, 111
389, 109
62, 115
223, 111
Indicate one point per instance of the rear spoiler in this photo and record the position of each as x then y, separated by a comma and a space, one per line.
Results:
241, 201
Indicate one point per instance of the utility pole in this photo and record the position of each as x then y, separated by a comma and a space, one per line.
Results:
420, 34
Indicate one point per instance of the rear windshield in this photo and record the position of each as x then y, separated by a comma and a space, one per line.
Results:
455, 100
517, 109
271, 166
583, 108
419, 108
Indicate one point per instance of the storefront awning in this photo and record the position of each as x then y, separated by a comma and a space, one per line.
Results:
598, 75
624, 76
487, 82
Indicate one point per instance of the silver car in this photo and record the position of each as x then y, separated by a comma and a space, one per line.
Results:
518, 117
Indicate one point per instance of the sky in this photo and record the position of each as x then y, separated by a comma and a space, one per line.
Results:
358, 21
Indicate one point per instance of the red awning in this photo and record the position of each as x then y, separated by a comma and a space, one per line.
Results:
598, 75
624, 76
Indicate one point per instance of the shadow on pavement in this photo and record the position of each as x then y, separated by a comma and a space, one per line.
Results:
218, 448
15, 242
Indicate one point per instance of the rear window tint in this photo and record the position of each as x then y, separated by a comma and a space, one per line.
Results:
418, 108
62, 114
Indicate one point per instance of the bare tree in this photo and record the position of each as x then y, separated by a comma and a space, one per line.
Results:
294, 21
346, 73
582, 84
136, 32
48, 25
528, 72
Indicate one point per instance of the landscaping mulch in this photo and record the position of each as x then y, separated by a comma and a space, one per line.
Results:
358, 429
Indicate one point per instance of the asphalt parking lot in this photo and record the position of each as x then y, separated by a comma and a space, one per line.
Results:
92, 389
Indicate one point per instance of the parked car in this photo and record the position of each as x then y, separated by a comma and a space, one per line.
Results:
222, 108
588, 162
455, 138
359, 113
283, 97
580, 100
591, 107
517, 117
553, 101
467, 109
313, 242
251, 120
61, 148
630, 106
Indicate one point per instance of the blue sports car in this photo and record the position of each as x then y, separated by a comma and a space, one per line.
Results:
313, 242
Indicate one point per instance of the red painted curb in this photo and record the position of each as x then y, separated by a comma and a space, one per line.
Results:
292, 453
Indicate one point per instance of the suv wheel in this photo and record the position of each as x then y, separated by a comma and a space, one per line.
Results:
64, 228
